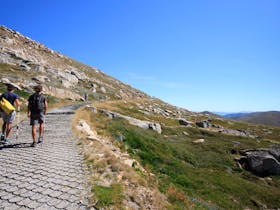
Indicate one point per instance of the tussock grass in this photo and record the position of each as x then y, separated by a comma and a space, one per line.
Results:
195, 176
205, 171
107, 170
108, 196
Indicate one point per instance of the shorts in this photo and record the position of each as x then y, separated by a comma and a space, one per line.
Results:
36, 117
8, 118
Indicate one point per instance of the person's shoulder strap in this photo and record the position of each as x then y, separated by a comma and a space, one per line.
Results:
43, 99
31, 97
4, 95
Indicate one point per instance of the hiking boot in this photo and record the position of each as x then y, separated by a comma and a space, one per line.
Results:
3, 140
40, 140
33, 144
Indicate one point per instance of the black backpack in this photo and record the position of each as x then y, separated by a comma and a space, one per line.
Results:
36, 102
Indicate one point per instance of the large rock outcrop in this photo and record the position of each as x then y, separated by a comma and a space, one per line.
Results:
262, 162
133, 121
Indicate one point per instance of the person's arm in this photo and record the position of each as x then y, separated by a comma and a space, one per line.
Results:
17, 104
28, 108
46, 106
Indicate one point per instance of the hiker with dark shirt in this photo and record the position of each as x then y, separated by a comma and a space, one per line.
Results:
37, 108
8, 119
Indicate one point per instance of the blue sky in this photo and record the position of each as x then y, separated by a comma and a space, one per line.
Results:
216, 55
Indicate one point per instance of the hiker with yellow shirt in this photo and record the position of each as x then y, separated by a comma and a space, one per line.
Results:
8, 118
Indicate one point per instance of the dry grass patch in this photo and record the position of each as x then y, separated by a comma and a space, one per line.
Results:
107, 169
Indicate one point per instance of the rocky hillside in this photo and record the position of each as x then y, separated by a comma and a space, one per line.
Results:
144, 153
27, 62
265, 118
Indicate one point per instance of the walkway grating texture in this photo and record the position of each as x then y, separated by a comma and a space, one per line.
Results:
51, 175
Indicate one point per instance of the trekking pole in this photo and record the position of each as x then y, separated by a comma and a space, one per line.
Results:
18, 119
44, 125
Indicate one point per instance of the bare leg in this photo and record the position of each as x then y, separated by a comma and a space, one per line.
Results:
8, 129
4, 127
3, 131
41, 130
34, 133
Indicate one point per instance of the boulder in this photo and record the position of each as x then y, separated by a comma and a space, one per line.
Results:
66, 83
83, 127
24, 67
133, 121
109, 114
234, 132
102, 89
91, 108
184, 122
38, 67
61, 93
5, 80
203, 124
262, 162
199, 141
41, 79
155, 126
186, 133
6, 40
79, 75
68, 77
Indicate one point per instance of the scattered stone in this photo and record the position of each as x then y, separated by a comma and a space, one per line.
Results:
79, 75
91, 108
234, 132
103, 90
133, 121
85, 128
24, 67
186, 133
203, 124
129, 162
184, 122
198, 141
66, 83
41, 79
155, 126
5, 80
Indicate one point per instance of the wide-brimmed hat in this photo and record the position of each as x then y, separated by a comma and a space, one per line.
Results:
10, 86
38, 88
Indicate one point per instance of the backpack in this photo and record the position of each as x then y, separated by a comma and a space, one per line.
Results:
6, 106
36, 103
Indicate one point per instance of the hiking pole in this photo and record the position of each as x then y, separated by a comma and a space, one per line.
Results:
18, 119
43, 131
44, 128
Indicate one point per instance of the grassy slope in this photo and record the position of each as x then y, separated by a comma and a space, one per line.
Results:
206, 173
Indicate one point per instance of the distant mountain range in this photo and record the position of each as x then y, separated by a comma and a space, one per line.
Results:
266, 118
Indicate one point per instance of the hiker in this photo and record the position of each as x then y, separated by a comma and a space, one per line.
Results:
86, 97
37, 108
8, 119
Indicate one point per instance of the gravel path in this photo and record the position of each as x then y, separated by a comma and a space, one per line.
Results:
50, 176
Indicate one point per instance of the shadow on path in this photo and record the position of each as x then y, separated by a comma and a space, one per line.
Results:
14, 146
